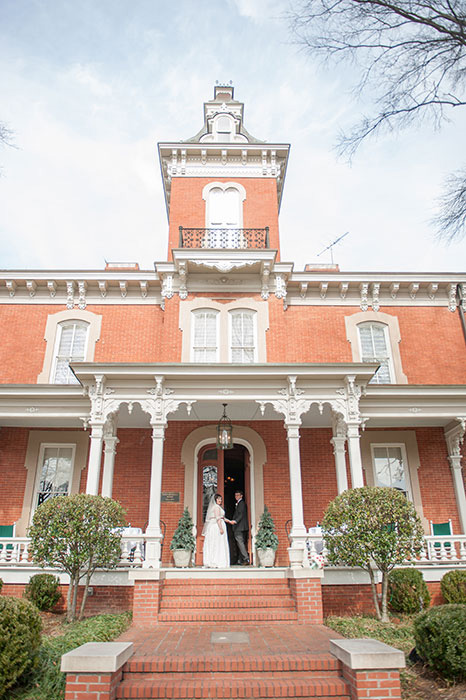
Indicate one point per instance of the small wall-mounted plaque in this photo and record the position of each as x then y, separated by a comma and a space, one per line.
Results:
170, 496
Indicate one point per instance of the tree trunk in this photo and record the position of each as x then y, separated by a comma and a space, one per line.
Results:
384, 617
86, 588
72, 612
68, 600
374, 592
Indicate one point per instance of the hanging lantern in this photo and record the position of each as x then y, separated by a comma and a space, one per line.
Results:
224, 431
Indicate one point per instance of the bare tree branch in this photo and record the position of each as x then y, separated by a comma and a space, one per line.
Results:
451, 220
411, 56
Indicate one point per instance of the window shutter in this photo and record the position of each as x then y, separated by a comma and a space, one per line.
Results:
374, 349
72, 347
205, 336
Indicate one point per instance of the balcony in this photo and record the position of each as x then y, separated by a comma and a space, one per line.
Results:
224, 238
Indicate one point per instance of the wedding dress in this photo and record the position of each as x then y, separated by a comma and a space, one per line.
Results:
216, 552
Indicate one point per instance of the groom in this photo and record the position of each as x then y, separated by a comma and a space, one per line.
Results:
240, 528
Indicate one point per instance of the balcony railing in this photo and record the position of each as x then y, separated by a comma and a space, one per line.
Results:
224, 238
442, 550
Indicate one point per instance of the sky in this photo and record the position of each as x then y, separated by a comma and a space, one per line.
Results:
90, 86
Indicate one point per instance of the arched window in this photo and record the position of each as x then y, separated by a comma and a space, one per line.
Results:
243, 335
375, 347
70, 347
224, 129
224, 214
205, 336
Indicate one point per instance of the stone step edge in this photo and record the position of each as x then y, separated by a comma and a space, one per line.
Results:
264, 687
288, 662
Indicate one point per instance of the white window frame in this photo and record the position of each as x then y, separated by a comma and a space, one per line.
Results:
60, 327
196, 312
404, 457
231, 313
224, 186
386, 332
40, 460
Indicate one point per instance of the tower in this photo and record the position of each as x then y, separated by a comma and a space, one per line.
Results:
223, 187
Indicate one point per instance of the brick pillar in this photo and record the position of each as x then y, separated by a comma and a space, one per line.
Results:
373, 684
94, 670
371, 668
146, 598
306, 589
92, 686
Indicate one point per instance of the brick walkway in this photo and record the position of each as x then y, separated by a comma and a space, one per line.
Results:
195, 640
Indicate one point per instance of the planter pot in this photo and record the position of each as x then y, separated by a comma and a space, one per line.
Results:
182, 557
266, 556
295, 556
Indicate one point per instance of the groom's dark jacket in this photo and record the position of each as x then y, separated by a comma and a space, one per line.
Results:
241, 516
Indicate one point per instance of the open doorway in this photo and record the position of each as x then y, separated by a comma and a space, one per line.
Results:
225, 472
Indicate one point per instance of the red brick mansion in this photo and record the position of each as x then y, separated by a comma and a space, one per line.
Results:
113, 381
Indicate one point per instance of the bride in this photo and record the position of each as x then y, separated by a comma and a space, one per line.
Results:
216, 551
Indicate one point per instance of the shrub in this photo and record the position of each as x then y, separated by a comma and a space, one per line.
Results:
440, 635
372, 527
1, 584
43, 590
183, 537
77, 534
407, 591
453, 587
20, 627
266, 537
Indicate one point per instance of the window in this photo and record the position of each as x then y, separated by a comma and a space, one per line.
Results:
54, 472
374, 342
224, 214
242, 335
205, 336
71, 347
390, 467
224, 127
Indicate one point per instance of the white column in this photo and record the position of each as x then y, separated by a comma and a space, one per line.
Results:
340, 462
95, 456
354, 452
153, 532
458, 484
110, 443
298, 529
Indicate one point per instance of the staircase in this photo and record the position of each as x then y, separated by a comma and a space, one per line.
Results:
220, 600
289, 676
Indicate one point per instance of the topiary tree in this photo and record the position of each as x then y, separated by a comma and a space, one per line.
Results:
440, 635
453, 586
20, 628
77, 534
373, 528
266, 537
407, 591
43, 590
183, 537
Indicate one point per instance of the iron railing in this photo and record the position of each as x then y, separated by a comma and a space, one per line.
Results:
224, 238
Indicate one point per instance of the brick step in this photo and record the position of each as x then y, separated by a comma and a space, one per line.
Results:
201, 590
265, 687
223, 602
319, 663
237, 675
229, 615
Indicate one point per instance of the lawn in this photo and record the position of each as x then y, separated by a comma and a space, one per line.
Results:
46, 682
417, 683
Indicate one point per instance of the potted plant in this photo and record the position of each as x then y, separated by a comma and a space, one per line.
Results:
183, 542
266, 539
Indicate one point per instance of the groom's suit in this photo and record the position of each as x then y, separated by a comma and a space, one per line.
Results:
240, 530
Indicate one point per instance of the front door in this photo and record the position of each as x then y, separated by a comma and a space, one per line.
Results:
224, 472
